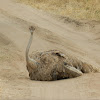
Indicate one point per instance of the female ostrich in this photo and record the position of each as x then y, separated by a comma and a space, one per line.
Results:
53, 64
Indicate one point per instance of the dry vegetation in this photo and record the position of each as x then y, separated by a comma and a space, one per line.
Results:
76, 9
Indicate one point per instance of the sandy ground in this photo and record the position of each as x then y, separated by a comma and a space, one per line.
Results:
81, 40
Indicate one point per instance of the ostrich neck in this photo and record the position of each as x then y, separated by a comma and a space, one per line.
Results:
27, 50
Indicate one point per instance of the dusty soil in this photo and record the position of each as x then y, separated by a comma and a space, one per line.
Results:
81, 40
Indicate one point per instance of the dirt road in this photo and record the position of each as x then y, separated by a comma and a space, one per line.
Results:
81, 41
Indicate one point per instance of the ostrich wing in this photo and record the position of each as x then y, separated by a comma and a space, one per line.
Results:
72, 71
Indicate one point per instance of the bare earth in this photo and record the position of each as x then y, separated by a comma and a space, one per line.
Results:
79, 40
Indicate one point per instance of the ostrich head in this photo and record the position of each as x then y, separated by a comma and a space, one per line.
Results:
31, 28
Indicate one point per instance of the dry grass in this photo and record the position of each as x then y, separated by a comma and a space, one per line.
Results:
76, 9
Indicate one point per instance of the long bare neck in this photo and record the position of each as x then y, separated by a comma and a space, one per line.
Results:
28, 47
28, 59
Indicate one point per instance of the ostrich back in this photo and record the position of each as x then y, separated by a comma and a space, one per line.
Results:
51, 66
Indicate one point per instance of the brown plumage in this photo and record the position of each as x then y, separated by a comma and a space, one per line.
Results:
53, 65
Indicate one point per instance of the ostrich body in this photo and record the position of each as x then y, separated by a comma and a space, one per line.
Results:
53, 64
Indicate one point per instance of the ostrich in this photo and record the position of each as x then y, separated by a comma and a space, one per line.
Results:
53, 64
